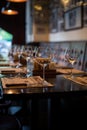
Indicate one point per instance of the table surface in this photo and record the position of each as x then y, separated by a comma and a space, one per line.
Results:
61, 86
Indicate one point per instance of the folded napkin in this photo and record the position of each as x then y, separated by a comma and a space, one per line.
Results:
16, 85
7, 71
4, 64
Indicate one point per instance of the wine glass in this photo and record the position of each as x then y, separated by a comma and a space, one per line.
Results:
19, 58
30, 66
19, 54
1, 92
43, 59
10, 56
43, 62
29, 61
71, 58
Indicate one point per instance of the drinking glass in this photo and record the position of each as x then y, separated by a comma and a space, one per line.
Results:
43, 62
1, 92
71, 58
43, 59
30, 66
19, 53
19, 57
10, 56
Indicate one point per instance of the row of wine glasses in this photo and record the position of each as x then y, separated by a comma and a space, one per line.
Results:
43, 56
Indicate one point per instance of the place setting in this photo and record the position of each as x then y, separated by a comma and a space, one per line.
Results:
77, 76
18, 82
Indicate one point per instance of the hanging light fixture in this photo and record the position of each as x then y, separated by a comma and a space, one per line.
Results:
8, 10
17, 1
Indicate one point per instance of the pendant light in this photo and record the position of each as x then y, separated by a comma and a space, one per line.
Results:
8, 10
17, 1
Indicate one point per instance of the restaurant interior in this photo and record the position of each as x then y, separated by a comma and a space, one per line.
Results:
43, 64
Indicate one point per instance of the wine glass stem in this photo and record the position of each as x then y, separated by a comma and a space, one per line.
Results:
43, 73
19, 60
71, 71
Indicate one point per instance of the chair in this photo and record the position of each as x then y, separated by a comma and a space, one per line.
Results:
8, 121
4, 105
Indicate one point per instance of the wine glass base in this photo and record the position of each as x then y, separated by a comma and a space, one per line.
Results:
18, 65
44, 83
18, 75
29, 74
70, 76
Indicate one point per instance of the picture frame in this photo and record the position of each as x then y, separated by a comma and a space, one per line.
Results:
73, 18
61, 26
54, 21
85, 16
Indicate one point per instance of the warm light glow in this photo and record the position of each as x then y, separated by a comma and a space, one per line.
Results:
85, 4
18, 1
38, 7
65, 2
10, 12
7, 10
10, 92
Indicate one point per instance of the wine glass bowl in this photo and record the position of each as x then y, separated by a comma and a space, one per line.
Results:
30, 66
19, 55
72, 58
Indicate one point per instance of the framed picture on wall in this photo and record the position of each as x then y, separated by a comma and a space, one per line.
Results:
54, 21
73, 18
85, 1
60, 26
85, 16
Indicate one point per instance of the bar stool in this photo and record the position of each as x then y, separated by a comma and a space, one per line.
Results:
8, 121
4, 105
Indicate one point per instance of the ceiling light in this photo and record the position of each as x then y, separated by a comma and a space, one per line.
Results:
17, 1
8, 10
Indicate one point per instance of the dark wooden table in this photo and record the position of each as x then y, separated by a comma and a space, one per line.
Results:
52, 108
61, 86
